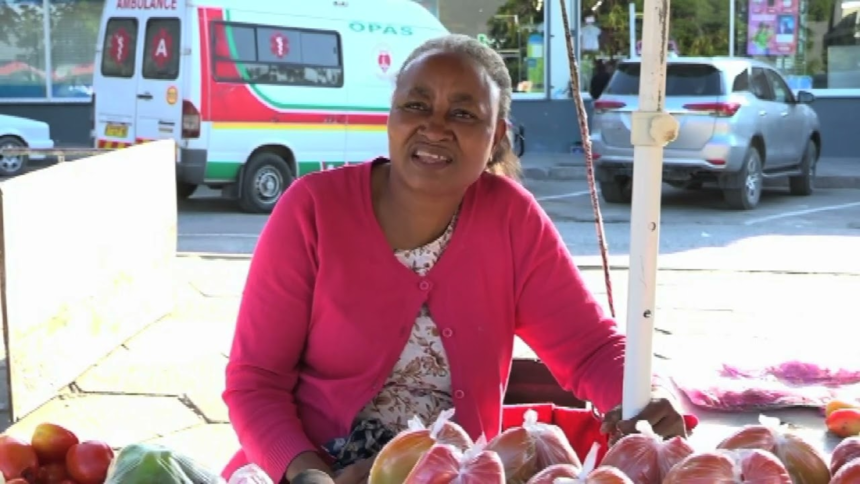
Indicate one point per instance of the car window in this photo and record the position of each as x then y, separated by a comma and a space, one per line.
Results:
162, 49
681, 80
781, 92
261, 54
760, 85
118, 51
742, 82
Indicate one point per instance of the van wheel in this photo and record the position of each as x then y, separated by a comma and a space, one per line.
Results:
184, 190
804, 184
265, 178
12, 165
616, 191
747, 196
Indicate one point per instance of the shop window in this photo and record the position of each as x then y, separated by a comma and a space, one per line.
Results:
22, 50
74, 35
815, 44
514, 28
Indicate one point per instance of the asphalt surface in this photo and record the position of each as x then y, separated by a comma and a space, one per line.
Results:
820, 233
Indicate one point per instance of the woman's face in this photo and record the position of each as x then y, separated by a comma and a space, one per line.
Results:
444, 123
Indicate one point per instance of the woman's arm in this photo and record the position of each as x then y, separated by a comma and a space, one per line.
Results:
559, 318
270, 336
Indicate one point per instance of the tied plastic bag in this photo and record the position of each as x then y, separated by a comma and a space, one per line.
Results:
148, 463
601, 475
529, 449
553, 472
747, 466
645, 457
399, 456
805, 464
848, 450
445, 464
250, 474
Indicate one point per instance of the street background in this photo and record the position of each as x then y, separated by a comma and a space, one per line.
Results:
788, 271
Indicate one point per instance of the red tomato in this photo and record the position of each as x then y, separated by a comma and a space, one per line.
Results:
51, 442
88, 462
16, 458
54, 473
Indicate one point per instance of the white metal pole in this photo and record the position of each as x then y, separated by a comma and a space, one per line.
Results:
652, 129
632, 28
732, 16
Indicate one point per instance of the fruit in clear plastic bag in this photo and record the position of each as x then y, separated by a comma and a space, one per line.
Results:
805, 464
399, 456
601, 475
516, 448
553, 472
532, 448
445, 464
148, 463
743, 466
848, 474
645, 457
847, 451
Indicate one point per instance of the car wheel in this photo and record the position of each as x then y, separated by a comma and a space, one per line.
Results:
184, 190
12, 165
804, 184
616, 191
747, 196
265, 178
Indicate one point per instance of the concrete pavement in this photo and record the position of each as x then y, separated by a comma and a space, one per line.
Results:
832, 172
164, 384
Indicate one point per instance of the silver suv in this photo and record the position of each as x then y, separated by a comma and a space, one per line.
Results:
740, 124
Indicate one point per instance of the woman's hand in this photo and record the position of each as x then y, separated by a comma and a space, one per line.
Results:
356, 473
662, 413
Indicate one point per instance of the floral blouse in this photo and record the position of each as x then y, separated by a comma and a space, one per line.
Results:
419, 384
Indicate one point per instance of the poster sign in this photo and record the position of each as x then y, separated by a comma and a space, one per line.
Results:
280, 45
119, 46
772, 28
162, 48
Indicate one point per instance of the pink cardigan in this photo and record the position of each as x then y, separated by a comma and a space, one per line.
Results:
327, 310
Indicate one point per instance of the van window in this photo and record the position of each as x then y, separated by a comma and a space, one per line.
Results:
262, 54
161, 51
681, 80
118, 50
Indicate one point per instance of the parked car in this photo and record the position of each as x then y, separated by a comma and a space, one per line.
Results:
740, 124
18, 132
517, 136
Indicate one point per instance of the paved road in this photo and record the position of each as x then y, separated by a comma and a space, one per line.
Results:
819, 233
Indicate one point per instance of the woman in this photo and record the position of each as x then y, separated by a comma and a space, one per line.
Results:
395, 288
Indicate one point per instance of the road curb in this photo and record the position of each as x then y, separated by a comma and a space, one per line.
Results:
572, 172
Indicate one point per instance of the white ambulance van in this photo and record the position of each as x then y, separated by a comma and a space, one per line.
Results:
255, 93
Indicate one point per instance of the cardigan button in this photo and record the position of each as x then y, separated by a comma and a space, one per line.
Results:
447, 332
425, 285
459, 394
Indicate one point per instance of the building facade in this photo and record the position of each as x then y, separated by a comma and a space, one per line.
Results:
47, 48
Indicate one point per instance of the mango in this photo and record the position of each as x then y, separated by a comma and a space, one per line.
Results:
834, 405
844, 422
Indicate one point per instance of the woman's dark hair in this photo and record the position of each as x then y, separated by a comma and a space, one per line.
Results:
504, 161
